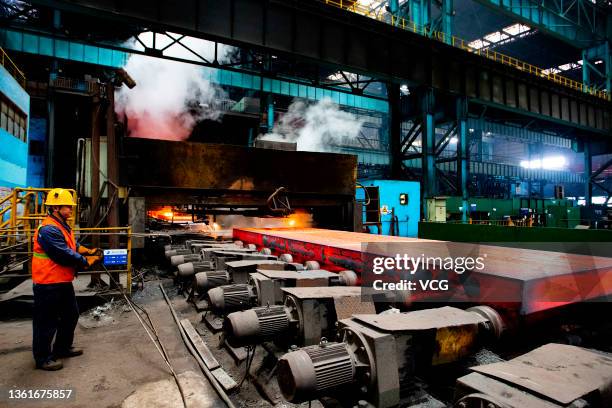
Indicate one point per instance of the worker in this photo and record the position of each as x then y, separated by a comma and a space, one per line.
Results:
56, 259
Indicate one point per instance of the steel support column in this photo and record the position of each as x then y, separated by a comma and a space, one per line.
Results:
94, 159
393, 6
49, 179
447, 20
597, 66
462, 155
270, 112
395, 125
588, 165
50, 174
112, 163
535, 152
444, 22
428, 144
420, 12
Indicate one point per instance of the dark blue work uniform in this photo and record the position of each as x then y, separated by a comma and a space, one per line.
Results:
55, 308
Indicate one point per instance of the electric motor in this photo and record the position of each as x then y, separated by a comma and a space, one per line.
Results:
308, 314
210, 279
385, 353
309, 372
188, 269
172, 252
176, 260
231, 297
173, 246
256, 325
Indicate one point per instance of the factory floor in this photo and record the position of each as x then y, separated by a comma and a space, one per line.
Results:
118, 360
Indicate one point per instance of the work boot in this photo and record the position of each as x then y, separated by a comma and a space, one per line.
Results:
50, 365
72, 352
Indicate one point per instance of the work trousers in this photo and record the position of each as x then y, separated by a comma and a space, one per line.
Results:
55, 314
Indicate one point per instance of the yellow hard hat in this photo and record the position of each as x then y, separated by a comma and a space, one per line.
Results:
60, 196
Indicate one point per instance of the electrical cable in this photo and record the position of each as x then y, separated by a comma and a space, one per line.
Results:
249, 362
367, 194
110, 205
150, 327
213, 381
102, 173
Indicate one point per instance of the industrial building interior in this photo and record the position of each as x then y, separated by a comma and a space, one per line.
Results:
255, 171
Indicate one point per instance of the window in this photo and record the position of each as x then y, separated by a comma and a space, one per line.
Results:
4, 120
12, 119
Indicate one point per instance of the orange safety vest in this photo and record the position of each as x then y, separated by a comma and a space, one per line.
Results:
44, 270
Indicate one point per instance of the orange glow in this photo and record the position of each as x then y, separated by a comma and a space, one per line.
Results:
168, 127
168, 214
299, 219
216, 226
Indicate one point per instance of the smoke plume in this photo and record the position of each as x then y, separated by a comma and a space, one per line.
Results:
315, 127
170, 97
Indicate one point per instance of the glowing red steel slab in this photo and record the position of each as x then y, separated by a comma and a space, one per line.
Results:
337, 250
528, 280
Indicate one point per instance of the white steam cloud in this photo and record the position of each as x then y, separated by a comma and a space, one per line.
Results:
170, 97
316, 127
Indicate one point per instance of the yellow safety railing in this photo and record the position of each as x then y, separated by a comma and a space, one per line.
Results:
24, 208
27, 235
408, 25
108, 232
12, 68
509, 222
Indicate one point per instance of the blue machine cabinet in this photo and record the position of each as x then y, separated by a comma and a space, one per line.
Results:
397, 199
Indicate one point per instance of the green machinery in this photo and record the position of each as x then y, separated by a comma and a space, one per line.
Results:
545, 212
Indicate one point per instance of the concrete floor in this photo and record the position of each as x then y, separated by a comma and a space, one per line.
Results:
119, 358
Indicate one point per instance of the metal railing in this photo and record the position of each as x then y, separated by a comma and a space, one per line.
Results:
457, 42
108, 232
12, 68
76, 85
24, 250
24, 209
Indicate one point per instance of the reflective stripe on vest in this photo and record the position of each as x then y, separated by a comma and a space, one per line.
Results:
44, 269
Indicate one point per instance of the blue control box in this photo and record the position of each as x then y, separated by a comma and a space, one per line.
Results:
114, 257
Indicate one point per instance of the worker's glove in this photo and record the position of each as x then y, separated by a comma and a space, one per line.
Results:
86, 251
92, 259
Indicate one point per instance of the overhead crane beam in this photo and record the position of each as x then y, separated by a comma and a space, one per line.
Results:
580, 23
315, 31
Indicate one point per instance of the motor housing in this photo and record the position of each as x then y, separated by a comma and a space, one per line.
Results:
311, 371
230, 298
386, 351
256, 325
188, 269
179, 251
176, 260
205, 281
311, 313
